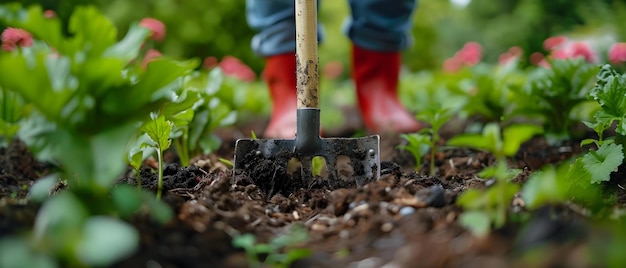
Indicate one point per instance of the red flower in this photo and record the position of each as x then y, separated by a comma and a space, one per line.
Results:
156, 26
150, 56
234, 67
210, 62
617, 53
15, 37
553, 42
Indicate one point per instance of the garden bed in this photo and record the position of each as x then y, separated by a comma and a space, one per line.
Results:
404, 219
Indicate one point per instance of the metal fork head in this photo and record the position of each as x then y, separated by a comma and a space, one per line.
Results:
363, 154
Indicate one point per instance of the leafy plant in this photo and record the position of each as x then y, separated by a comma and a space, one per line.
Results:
492, 90
193, 132
89, 94
12, 111
280, 251
487, 208
609, 93
427, 138
553, 93
158, 129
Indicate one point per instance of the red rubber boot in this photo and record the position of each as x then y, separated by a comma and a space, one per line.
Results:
376, 77
280, 76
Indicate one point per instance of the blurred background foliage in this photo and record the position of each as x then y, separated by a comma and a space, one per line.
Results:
201, 28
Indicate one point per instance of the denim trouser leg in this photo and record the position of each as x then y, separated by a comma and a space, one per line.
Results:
382, 25
276, 22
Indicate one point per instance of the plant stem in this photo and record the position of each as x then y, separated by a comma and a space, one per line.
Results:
138, 175
160, 182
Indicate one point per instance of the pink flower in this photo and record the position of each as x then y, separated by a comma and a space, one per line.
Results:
333, 69
553, 42
49, 14
572, 50
15, 37
470, 54
151, 55
582, 49
210, 62
617, 53
234, 67
538, 59
452, 65
156, 26
512, 54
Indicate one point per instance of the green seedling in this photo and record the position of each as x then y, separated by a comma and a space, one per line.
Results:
609, 93
580, 180
418, 145
209, 108
227, 162
281, 251
427, 138
139, 149
159, 131
487, 208
568, 182
491, 91
551, 94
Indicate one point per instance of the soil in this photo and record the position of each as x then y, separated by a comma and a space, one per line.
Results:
404, 219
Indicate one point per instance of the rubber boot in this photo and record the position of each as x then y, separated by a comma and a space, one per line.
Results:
280, 76
376, 77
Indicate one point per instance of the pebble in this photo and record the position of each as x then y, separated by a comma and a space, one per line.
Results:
405, 211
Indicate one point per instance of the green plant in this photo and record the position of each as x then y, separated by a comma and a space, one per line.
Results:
89, 93
492, 90
12, 111
487, 208
427, 138
216, 105
609, 93
280, 251
551, 94
158, 129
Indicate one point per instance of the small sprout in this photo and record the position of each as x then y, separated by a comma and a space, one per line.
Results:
226, 162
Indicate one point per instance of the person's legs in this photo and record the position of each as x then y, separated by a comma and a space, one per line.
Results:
379, 29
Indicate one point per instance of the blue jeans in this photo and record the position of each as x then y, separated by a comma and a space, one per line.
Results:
379, 25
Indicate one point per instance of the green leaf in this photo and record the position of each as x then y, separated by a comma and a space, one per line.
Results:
93, 32
41, 188
489, 140
159, 131
515, 135
106, 240
245, 241
602, 162
57, 223
17, 252
478, 222
542, 188
128, 48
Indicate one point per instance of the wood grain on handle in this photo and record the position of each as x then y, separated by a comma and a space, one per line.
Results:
306, 54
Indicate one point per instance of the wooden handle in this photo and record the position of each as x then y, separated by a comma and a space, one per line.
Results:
306, 54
